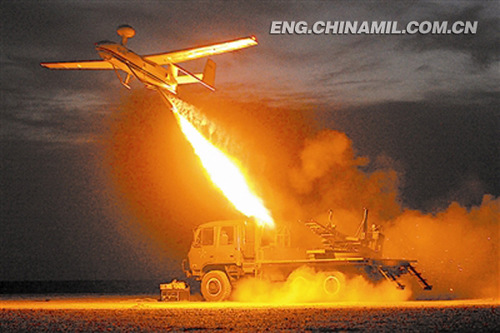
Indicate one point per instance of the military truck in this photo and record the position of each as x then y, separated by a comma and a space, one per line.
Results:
224, 252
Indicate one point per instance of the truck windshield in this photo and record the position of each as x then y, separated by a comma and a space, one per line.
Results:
207, 236
226, 235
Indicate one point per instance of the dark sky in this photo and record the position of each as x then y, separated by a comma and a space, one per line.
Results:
428, 103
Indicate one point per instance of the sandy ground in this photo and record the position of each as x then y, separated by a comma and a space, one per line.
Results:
146, 314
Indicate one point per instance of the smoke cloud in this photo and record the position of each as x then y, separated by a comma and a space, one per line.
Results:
156, 176
305, 285
301, 172
456, 248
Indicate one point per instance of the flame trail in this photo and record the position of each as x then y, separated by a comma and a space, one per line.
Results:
224, 173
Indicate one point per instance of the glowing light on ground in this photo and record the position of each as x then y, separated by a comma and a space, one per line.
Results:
225, 174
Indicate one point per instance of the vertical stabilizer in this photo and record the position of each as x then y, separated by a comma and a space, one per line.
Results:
209, 73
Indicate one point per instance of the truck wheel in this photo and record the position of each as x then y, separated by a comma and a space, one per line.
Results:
215, 286
332, 285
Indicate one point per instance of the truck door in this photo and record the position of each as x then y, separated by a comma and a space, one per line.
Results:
203, 248
227, 249
248, 246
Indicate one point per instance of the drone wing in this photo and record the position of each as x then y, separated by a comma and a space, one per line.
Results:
202, 51
86, 64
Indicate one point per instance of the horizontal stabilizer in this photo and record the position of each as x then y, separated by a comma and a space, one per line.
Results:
192, 78
186, 79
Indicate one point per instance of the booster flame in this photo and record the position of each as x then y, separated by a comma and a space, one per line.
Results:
224, 174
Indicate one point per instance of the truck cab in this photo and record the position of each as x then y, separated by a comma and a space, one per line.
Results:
215, 243
224, 247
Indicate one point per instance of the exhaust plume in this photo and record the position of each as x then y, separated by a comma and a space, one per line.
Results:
224, 172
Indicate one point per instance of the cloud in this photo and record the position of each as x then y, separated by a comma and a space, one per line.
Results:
482, 47
65, 118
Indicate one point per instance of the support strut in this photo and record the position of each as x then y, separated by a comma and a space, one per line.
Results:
414, 272
391, 277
